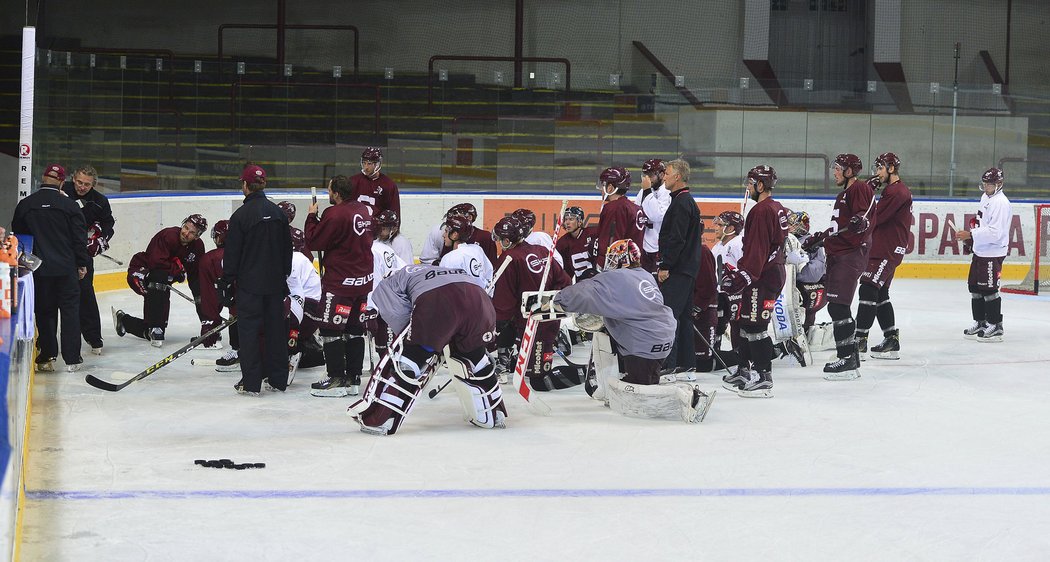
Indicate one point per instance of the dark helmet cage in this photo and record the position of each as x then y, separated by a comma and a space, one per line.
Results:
889, 160
298, 240
654, 166
765, 174
849, 162
733, 219
219, 229
993, 175
509, 228
460, 225
527, 218
575, 212
289, 210
619, 177
198, 221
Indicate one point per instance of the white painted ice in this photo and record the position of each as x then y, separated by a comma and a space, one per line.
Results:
943, 455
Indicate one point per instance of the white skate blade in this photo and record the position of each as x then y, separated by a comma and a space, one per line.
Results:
843, 376
685, 376
993, 339
891, 355
764, 393
731, 387
336, 392
228, 368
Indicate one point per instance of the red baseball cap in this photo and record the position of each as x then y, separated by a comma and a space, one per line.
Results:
55, 171
253, 174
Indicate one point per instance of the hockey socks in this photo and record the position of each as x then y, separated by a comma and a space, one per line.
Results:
993, 308
977, 306
844, 328
866, 309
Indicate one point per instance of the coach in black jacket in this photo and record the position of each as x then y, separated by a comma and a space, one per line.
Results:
258, 260
60, 239
679, 263
98, 216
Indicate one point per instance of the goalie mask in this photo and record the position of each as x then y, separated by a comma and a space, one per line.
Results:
798, 223
621, 254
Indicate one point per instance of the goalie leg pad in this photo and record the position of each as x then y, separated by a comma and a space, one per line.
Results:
478, 391
391, 395
606, 367
821, 337
674, 401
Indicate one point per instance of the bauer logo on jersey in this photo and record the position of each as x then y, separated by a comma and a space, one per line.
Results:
648, 290
361, 224
535, 263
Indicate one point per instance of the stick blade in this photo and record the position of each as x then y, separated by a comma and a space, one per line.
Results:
104, 385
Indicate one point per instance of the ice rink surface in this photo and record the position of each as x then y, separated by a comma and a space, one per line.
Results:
942, 455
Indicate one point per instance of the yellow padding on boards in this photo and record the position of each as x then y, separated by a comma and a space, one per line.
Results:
117, 280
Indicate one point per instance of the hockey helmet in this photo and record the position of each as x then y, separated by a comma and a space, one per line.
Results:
731, 218
464, 210
576, 213
289, 210
618, 176
993, 175
622, 253
460, 225
298, 239
765, 174
527, 218
848, 161
374, 155
218, 232
653, 167
508, 228
198, 221
889, 160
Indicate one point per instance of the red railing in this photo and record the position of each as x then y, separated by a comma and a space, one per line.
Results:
800, 155
280, 56
235, 89
430, 69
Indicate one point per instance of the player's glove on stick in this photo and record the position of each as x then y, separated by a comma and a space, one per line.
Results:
734, 281
815, 241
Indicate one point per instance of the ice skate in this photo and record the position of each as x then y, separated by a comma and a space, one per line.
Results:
862, 348
331, 387
239, 387
156, 337
843, 369
736, 380
46, 365
889, 348
758, 385
118, 321
971, 332
229, 362
991, 333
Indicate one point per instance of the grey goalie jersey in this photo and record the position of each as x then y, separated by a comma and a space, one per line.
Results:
397, 294
632, 306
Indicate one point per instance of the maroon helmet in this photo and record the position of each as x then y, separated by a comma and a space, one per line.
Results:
619, 177
289, 210
198, 222
993, 175
464, 210
733, 219
372, 154
218, 230
527, 218
387, 218
849, 162
765, 174
460, 225
653, 167
510, 228
889, 160
298, 239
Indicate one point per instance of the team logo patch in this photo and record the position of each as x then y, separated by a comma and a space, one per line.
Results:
475, 267
342, 310
768, 305
488, 336
361, 224
535, 263
648, 290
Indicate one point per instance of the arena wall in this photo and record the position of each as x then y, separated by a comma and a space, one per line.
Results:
932, 251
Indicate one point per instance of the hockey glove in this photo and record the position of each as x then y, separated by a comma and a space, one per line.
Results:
370, 320
815, 241
137, 281
178, 271
858, 224
225, 291
874, 183
734, 281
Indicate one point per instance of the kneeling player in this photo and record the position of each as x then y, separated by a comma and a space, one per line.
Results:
432, 307
639, 334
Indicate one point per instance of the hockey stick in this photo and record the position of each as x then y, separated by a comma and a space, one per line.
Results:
112, 259
166, 287
528, 338
492, 284
112, 387
320, 254
712, 348
435, 391
202, 362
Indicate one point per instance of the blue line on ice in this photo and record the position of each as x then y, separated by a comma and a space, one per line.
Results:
541, 493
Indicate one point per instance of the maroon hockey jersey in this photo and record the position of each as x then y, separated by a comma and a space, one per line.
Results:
164, 248
705, 293
344, 234
851, 201
576, 251
210, 270
620, 220
524, 274
378, 194
765, 230
893, 218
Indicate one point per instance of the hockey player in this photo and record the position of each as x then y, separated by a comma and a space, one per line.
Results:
889, 242
810, 279
846, 241
344, 233
640, 333
434, 246
464, 255
705, 316
289, 211
304, 291
727, 252
172, 256
372, 187
575, 242
788, 318
654, 199
522, 274
210, 271
989, 232
432, 307
536, 237
620, 218
759, 276
388, 231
